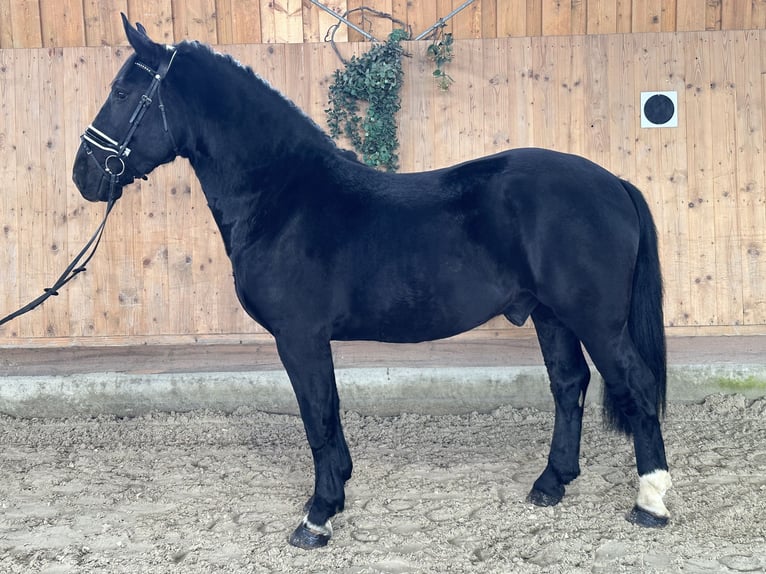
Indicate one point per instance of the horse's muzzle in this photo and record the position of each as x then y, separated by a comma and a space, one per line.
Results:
92, 182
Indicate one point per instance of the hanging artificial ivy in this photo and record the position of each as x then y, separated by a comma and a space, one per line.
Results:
440, 52
374, 79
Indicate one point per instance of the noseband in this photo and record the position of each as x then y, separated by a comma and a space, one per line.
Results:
117, 152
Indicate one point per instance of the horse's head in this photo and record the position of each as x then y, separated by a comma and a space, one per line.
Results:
131, 135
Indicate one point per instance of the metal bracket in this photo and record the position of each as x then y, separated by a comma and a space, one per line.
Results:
371, 38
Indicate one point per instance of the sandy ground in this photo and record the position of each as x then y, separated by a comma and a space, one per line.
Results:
208, 492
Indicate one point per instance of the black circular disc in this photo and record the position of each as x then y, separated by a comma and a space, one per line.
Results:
658, 109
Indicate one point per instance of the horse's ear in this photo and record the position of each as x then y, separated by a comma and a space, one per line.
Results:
143, 45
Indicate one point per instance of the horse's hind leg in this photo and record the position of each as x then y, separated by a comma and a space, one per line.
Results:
631, 396
569, 376
309, 365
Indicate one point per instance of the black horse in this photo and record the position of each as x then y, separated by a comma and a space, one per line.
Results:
324, 248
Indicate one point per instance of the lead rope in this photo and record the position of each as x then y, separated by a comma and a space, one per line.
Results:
72, 270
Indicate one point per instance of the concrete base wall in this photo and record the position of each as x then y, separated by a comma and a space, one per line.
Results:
378, 390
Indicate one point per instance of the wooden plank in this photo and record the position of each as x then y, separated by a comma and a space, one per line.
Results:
224, 22
497, 96
444, 7
54, 176
673, 183
624, 16
759, 15
194, 20
268, 22
512, 18
736, 14
570, 110
25, 24
422, 99
288, 21
647, 16
469, 93
521, 72
33, 272
103, 25
179, 249
623, 106
238, 21
556, 17
298, 62
728, 262
398, 11
10, 201
468, 23
579, 18
591, 98
317, 22
647, 141
750, 62
545, 113
448, 125
322, 63
380, 28
152, 253
6, 25
534, 17
62, 23
668, 15
420, 15
79, 82
713, 15
489, 18
156, 16
691, 15
208, 266
701, 199
601, 17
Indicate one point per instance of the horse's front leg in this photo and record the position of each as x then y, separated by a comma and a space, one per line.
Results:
309, 365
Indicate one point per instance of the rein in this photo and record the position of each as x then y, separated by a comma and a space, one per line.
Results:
72, 269
116, 152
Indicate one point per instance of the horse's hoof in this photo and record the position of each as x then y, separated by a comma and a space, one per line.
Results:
306, 539
540, 498
646, 519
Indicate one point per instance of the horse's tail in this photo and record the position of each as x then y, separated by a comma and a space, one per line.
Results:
645, 323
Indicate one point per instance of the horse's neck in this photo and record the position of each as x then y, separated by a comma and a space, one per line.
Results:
244, 166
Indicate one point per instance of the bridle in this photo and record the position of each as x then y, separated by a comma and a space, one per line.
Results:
117, 152
113, 167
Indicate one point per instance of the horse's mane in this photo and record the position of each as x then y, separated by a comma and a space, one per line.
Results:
261, 92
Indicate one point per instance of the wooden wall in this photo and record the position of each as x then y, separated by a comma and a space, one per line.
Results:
162, 275
66, 23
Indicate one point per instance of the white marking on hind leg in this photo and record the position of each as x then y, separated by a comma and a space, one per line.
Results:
325, 530
651, 488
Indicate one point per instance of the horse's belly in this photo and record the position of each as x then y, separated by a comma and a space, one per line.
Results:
429, 316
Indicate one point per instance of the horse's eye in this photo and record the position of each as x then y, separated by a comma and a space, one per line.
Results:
120, 94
